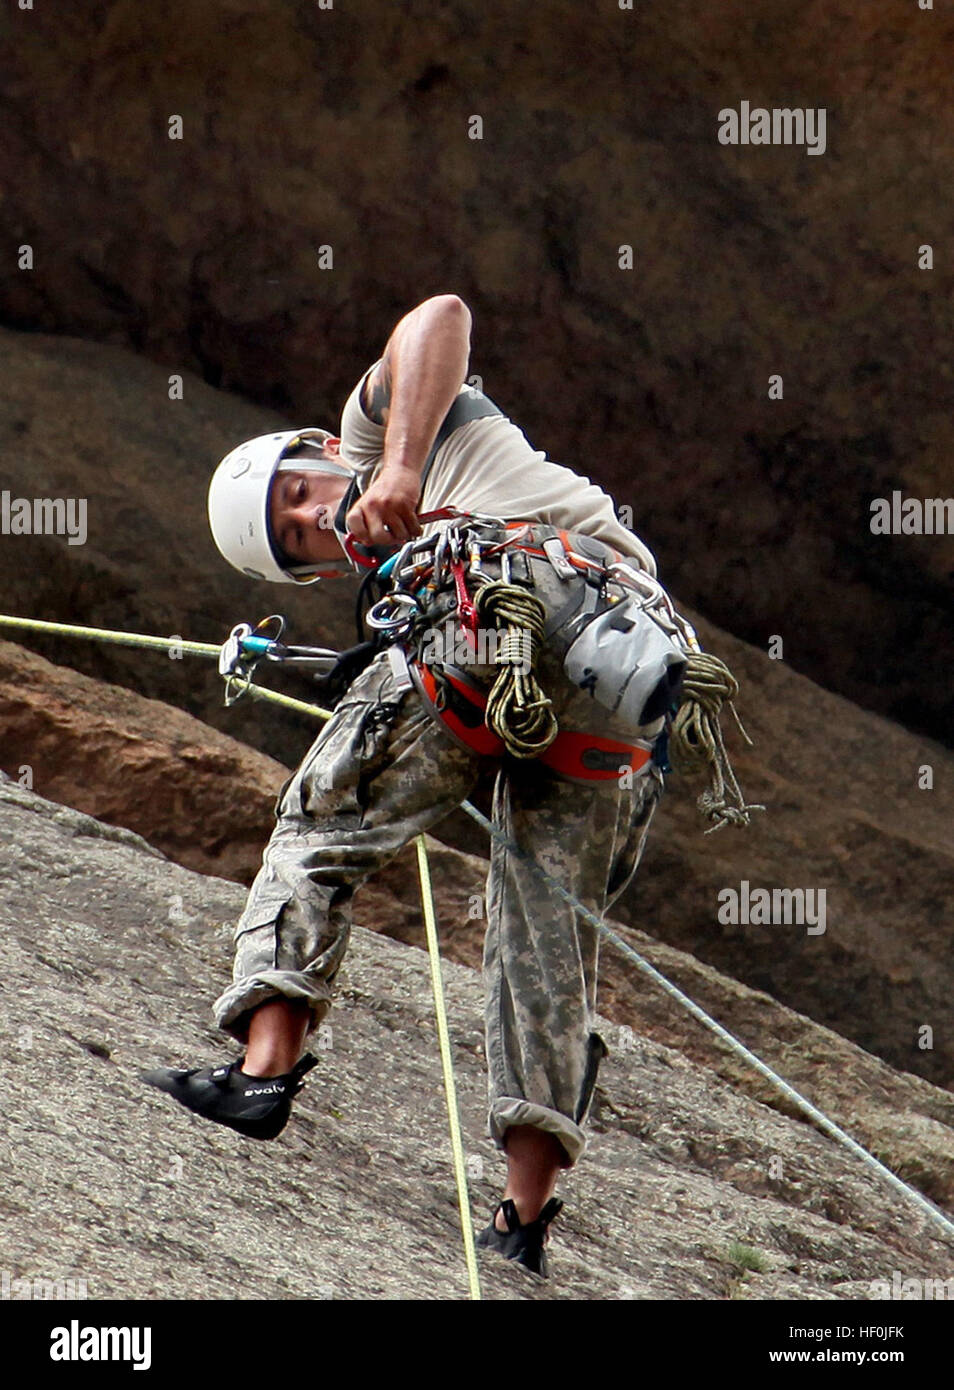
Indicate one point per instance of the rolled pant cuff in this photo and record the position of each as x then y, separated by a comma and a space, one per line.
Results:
507, 1111
232, 1009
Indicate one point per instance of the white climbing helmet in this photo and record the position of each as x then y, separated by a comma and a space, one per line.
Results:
238, 505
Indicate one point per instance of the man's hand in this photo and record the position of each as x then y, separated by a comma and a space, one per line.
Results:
387, 513
410, 392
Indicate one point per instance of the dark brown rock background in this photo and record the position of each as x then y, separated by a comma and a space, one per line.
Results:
348, 127
83, 420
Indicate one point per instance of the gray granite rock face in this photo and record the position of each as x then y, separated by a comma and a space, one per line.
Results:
111, 955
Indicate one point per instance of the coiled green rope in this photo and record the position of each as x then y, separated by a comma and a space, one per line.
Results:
518, 710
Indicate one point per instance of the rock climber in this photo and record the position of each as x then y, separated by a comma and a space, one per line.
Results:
393, 760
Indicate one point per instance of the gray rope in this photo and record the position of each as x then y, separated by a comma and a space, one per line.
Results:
821, 1120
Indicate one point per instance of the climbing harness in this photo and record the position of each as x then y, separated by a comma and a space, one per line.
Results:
626, 645
817, 1116
459, 703
427, 581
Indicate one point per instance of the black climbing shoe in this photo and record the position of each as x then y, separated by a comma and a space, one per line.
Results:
521, 1243
257, 1106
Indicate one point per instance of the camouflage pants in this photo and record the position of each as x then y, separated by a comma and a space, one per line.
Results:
380, 772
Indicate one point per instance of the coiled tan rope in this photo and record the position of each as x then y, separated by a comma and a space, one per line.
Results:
518, 710
695, 739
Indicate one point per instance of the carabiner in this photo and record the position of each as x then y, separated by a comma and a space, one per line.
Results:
387, 615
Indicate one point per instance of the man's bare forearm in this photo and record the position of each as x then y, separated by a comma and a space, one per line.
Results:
430, 352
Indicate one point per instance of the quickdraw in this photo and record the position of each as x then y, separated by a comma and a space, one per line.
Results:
419, 565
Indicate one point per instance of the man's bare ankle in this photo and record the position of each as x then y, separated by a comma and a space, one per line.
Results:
264, 1070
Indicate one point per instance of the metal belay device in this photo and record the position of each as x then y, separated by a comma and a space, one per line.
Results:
246, 646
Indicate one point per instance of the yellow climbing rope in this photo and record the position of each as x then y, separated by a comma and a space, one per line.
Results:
119, 639
258, 692
447, 1065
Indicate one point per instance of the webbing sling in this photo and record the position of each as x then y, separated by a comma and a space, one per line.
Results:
469, 405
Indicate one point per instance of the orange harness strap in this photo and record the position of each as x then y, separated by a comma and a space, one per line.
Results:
583, 757
465, 724
590, 758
